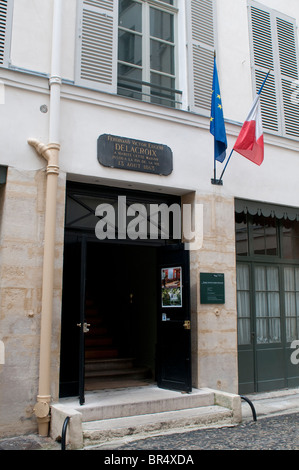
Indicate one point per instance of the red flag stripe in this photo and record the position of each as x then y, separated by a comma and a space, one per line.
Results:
250, 142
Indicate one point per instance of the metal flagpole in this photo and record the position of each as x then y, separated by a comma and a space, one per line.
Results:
259, 92
220, 179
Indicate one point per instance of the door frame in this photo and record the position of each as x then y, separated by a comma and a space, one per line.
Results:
84, 235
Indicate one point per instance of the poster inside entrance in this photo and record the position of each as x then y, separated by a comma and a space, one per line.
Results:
171, 286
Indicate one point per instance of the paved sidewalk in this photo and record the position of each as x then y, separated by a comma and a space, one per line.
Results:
271, 433
271, 403
29, 442
277, 427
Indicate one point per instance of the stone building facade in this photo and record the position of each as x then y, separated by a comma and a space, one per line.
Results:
73, 71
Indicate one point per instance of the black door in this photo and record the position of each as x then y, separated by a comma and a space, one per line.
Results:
70, 333
73, 324
174, 329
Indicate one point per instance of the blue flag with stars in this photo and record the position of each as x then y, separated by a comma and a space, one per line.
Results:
217, 127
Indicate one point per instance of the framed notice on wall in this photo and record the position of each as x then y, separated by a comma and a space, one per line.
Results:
212, 288
171, 287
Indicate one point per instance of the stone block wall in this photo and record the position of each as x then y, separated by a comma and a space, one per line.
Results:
21, 263
214, 327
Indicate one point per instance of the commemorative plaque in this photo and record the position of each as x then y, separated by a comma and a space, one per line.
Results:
135, 155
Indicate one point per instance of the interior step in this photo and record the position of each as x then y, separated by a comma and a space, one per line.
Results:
101, 353
109, 364
101, 431
134, 372
98, 341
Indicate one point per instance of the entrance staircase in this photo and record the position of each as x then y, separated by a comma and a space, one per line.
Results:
104, 368
114, 373
110, 415
99, 342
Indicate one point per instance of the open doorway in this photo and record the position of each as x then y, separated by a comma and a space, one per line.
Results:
118, 325
120, 307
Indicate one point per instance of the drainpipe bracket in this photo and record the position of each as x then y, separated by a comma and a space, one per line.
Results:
55, 80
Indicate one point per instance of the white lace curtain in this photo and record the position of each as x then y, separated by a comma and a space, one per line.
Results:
291, 282
267, 303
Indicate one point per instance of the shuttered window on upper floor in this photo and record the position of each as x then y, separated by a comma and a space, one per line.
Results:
274, 47
96, 51
5, 20
201, 46
129, 47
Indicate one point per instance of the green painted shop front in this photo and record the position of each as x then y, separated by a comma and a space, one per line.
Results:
267, 247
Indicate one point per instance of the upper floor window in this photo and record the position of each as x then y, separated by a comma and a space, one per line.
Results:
146, 51
136, 48
274, 46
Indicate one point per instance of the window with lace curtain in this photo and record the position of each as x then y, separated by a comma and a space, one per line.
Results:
267, 279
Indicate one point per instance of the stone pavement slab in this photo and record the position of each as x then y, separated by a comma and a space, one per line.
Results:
29, 442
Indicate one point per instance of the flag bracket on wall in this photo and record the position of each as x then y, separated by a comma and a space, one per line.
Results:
217, 181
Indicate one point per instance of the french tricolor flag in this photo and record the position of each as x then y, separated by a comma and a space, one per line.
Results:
250, 142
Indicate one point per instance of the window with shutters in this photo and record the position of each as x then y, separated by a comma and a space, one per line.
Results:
5, 19
130, 47
274, 47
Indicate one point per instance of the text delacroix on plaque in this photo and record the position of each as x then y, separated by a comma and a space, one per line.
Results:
137, 155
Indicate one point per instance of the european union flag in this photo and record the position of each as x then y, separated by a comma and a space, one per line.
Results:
217, 127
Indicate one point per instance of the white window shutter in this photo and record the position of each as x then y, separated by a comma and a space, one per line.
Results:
274, 46
287, 51
200, 16
5, 21
96, 61
263, 60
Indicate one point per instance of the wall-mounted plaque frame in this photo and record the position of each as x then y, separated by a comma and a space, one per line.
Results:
212, 289
135, 155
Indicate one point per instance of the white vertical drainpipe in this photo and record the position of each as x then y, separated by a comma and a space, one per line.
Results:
51, 153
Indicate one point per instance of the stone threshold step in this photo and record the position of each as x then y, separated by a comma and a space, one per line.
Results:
107, 414
118, 406
97, 432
